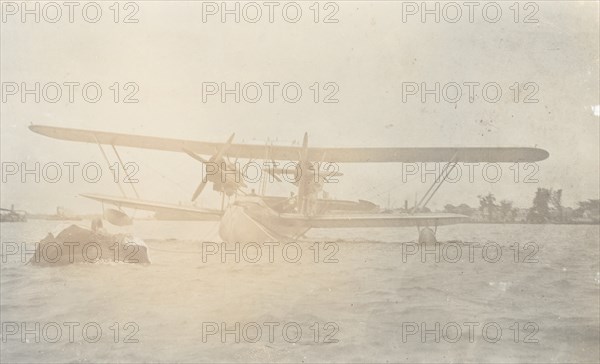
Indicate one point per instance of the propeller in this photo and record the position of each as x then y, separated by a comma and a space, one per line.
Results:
273, 171
215, 159
304, 163
224, 148
304, 154
195, 156
199, 190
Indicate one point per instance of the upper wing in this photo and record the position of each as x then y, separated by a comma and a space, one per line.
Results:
160, 207
376, 220
339, 155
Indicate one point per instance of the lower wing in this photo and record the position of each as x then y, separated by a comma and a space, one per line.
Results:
159, 207
377, 220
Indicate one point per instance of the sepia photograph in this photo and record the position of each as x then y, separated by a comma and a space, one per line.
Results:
307, 181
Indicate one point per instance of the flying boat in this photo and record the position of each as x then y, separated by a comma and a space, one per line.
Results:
259, 217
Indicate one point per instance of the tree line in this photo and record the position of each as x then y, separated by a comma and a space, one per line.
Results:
546, 208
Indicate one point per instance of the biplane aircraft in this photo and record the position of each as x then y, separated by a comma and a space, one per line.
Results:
259, 217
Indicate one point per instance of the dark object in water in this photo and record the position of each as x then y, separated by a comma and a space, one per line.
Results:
117, 217
76, 244
427, 236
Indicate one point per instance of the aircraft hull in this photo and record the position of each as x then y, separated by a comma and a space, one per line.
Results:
253, 221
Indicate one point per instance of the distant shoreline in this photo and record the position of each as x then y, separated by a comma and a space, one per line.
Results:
530, 223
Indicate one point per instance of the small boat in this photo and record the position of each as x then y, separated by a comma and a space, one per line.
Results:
12, 215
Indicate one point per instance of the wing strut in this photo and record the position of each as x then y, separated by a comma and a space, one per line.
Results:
120, 215
124, 171
436, 184
108, 164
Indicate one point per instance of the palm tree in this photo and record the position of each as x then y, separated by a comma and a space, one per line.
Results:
506, 210
487, 205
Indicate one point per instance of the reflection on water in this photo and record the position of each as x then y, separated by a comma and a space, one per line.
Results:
369, 289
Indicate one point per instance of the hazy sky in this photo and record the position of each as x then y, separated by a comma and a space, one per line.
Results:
369, 53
